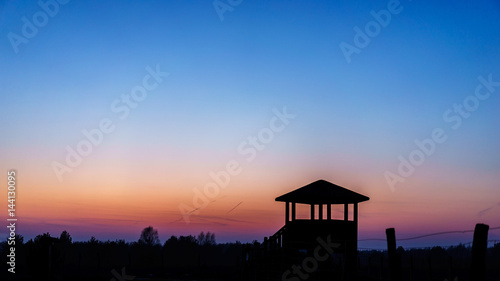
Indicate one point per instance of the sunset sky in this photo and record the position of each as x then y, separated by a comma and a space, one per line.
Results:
172, 91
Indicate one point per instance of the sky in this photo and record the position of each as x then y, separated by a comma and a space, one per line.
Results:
193, 116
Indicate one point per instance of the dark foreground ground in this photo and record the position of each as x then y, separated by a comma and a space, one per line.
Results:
184, 258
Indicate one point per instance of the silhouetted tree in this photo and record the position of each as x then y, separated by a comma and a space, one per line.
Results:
121, 242
206, 239
19, 239
201, 238
187, 240
93, 241
172, 241
42, 253
65, 238
149, 236
210, 238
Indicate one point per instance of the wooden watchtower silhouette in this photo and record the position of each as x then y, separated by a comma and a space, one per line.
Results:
299, 237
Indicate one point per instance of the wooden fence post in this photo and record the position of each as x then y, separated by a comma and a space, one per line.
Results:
394, 259
479, 245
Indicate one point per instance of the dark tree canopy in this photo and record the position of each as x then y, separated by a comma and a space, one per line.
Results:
149, 236
65, 237
206, 239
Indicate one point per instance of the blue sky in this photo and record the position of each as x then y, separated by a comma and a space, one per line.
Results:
227, 75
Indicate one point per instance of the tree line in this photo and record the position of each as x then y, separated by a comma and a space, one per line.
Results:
47, 257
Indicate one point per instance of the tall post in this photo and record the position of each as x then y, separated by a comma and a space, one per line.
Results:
355, 240
312, 211
329, 211
355, 213
293, 211
287, 212
320, 211
479, 245
394, 262
346, 212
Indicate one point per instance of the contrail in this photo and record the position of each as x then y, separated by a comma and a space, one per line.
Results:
480, 213
234, 207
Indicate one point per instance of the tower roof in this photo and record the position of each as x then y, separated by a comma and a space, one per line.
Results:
322, 192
